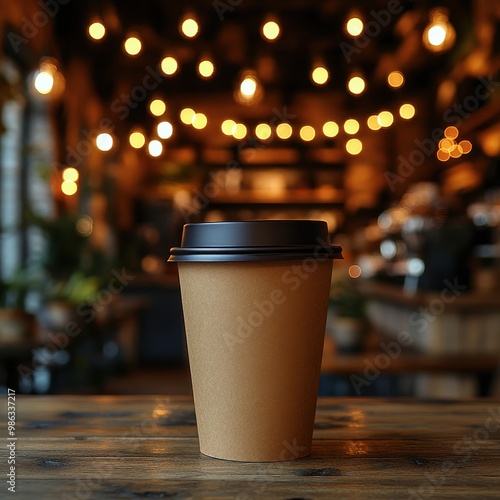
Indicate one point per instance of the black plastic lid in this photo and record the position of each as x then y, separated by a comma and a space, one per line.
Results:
258, 240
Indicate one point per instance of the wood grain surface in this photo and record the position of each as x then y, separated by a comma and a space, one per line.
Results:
133, 447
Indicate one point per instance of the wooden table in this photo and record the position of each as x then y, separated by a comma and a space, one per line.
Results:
133, 447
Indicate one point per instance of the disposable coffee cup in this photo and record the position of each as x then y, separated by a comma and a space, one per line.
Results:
254, 298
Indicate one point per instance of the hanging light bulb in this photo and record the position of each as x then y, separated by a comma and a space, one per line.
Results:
439, 35
249, 90
48, 81
189, 26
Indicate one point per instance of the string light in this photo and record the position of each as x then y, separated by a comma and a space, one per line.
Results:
451, 132
354, 146
48, 81
249, 90
395, 79
263, 131
164, 130
351, 126
373, 123
96, 31
228, 127
320, 75
44, 82
69, 188
385, 119
169, 65
199, 121
330, 129
439, 34
284, 131
307, 133
354, 26
271, 30
356, 85
137, 139
206, 68
104, 141
240, 131
189, 27
132, 46
155, 148
407, 111
70, 174
187, 115
157, 107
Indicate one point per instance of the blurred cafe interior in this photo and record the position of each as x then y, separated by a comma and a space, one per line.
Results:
123, 121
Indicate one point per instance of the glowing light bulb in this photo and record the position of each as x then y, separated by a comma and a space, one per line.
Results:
132, 46
187, 115
407, 111
354, 146
307, 133
330, 129
137, 139
443, 155
284, 131
351, 126
271, 30
104, 141
395, 79
164, 130
356, 85
240, 131
70, 174
385, 119
263, 131
44, 82
96, 31
199, 121
439, 34
354, 26
155, 148
248, 86
69, 188
373, 123
206, 68
320, 75
436, 34
228, 127
189, 28
157, 107
169, 65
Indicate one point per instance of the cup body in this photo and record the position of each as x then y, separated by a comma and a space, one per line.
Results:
255, 334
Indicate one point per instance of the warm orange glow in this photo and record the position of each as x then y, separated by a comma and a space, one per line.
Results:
356, 85
97, 31
284, 131
199, 121
330, 129
186, 116
271, 30
228, 127
351, 126
206, 68
466, 147
169, 65
443, 155
137, 139
263, 131
69, 188
354, 26
189, 27
132, 46
451, 132
407, 111
157, 107
240, 131
373, 123
70, 174
354, 272
395, 79
354, 146
385, 119
307, 133
320, 75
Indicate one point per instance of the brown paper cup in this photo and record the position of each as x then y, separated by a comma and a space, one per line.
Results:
255, 335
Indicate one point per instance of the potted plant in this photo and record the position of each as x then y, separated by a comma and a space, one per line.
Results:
16, 325
346, 315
